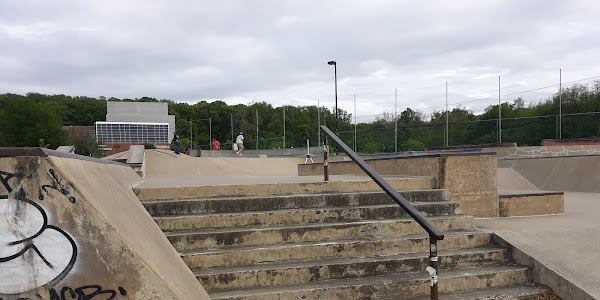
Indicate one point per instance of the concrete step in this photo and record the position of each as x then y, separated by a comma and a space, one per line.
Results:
526, 291
342, 248
297, 216
405, 285
225, 237
246, 204
286, 273
260, 190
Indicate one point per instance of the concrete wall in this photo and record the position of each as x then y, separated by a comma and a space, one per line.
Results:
567, 173
567, 142
469, 178
72, 231
529, 204
249, 152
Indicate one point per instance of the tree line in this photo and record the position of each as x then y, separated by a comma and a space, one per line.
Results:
35, 119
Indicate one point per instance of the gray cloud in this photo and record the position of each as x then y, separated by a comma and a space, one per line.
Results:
276, 51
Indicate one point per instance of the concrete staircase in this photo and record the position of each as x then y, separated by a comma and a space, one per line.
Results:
342, 245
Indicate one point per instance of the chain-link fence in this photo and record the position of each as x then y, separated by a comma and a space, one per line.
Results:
526, 131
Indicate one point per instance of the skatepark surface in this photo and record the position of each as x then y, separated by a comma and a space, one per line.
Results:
566, 244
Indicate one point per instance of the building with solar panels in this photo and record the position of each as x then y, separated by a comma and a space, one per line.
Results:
135, 123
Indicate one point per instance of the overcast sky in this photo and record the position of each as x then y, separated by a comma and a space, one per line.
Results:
277, 51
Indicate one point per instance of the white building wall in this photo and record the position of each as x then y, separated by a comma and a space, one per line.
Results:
145, 112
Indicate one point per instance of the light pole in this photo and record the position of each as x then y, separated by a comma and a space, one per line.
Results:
336, 108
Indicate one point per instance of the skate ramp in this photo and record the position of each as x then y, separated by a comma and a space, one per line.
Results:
509, 179
73, 229
567, 173
165, 163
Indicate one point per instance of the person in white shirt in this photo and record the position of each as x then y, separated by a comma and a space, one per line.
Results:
240, 143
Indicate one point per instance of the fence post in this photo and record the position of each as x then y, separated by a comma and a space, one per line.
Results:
325, 159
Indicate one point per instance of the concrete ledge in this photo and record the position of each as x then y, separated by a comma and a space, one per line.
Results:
541, 273
249, 152
470, 178
346, 186
531, 204
66, 149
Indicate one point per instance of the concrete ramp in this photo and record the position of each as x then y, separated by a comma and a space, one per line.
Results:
71, 228
566, 173
66, 149
509, 179
166, 163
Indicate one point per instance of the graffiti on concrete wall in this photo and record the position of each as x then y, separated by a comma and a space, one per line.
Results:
56, 184
33, 252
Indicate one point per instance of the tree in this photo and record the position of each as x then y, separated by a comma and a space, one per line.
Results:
23, 123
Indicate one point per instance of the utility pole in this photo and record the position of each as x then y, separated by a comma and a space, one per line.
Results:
318, 121
395, 121
446, 114
560, 105
499, 114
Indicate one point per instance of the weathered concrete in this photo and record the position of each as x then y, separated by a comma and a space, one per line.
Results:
567, 173
340, 268
399, 286
364, 247
545, 274
561, 244
248, 152
136, 159
282, 188
310, 215
70, 229
223, 237
544, 151
254, 204
526, 291
165, 163
509, 179
531, 204
315, 243
470, 179
66, 149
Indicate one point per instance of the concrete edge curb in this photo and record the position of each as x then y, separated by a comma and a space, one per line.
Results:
543, 274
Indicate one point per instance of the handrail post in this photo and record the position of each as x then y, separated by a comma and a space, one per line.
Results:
433, 264
325, 159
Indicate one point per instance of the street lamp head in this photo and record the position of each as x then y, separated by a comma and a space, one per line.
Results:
332, 63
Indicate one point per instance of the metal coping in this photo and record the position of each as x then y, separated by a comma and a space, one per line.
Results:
43, 152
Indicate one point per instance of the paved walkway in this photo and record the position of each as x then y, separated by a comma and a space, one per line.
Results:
569, 244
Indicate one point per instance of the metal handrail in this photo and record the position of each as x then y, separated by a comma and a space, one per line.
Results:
434, 233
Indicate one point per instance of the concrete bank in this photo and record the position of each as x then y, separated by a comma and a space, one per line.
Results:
566, 245
72, 226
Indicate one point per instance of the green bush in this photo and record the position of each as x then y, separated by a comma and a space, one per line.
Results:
412, 145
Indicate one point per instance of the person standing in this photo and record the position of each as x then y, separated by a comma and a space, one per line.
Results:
177, 144
240, 143
216, 145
